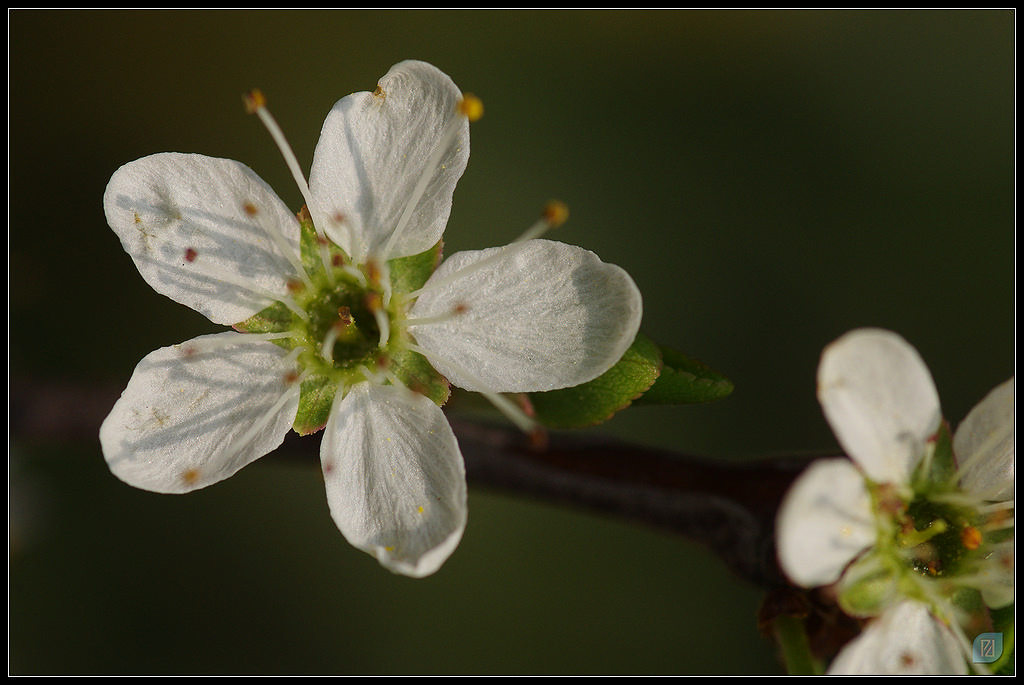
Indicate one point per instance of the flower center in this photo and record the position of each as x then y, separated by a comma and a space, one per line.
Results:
344, 325
938, 535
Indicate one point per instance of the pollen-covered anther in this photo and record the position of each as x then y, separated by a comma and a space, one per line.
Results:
296, 286
373, 272
190, 254
344, 317
555, 213
254, 101
471, 107
250, 209
379, 92
971, 538
291, 377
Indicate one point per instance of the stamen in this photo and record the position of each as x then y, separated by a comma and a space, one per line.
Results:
456, 311
381, 374
554, 215
503, 404
256, 103
339, 219
334, 332
374, 303
217, 342
226, 276
271, 229
467, 107
378, 274
327, 348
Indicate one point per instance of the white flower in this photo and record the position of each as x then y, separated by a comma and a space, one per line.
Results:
911, 514
339, 318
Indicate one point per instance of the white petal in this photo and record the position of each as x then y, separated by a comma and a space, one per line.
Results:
879, 398
373, 151
168, 207
539, 315
905, 640
984, 445
996, 577
824, 522
195, 413
396, 482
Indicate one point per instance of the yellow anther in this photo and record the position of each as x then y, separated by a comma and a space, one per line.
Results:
556, 213
254, 101
471, 107
971, 538
379, 92
373, 301
419, 509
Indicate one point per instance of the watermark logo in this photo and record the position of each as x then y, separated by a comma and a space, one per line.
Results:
988, 647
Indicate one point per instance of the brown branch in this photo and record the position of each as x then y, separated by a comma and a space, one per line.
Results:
727, 506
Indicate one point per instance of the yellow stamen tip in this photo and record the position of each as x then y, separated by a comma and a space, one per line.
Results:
471, 107
254, 101
556, 213
971, 538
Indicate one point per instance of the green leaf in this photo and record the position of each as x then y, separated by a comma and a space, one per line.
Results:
685, 380
596, 401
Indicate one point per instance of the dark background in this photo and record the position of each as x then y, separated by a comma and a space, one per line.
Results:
771, 180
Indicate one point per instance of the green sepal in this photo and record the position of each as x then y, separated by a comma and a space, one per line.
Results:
315, 402
276, 318
309, 243
939, 470
598, 400
410, 273
684, 380
417, 374
868, 586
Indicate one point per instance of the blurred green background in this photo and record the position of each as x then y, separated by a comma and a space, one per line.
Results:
770, 179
